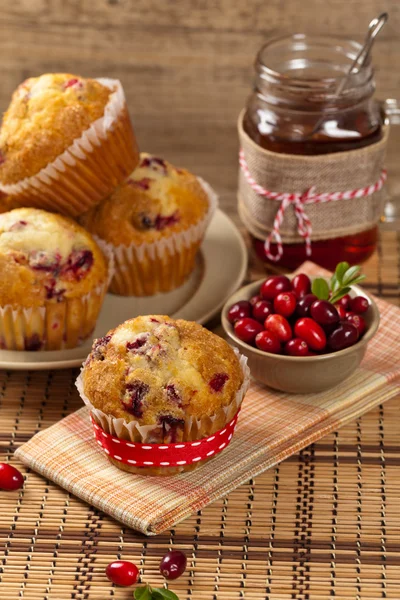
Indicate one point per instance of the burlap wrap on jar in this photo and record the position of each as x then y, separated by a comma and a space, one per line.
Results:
266, 178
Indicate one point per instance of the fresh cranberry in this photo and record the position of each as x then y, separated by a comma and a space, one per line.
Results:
122, 572
274, 285
10, 478
246, 329
253, 301
324, 312
344, 302
268, 342
344, 336
218, 381
304, 305
173, 564
279, 326
262, 309
341, 311
358, 321
285, 303
239, 310
133, 400
311, 332
296, 347
359, 305
301, 285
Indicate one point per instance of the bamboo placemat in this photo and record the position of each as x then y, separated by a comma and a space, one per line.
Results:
324, 524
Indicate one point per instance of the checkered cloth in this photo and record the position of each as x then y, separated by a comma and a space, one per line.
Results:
272, 426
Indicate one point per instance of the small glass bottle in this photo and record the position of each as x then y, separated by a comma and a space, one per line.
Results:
294, 110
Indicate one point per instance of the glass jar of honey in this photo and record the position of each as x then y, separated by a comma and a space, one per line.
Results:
295, 110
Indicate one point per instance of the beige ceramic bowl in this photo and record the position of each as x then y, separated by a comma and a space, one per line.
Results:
304, 374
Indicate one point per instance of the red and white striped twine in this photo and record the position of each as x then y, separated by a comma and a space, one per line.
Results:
299, 199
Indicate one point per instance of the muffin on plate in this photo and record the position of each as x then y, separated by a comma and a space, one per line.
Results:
53, 280
65, 142
155, 222
157, 380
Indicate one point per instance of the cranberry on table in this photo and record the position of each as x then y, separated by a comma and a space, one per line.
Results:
344, 302
122, 572
239, 310
311, 332
359, 305
304, 305
358, 321
296, 347
246, 329
173, 564
253, 301
285, 303
324, 313
343, 337
274, 285
268, 342
279, 326
262, 309
301, 285
10, 478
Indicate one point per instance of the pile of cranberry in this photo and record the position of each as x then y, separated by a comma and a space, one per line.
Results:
285, 317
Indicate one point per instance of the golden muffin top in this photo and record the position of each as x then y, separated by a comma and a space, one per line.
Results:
45, 116
45, 258
157, 200
159, 371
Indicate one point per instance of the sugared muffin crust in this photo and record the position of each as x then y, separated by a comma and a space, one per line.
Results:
157, 200
160, 371
46, 258
45, 116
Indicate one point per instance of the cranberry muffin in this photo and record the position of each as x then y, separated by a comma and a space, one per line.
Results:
155, 222
54, 277
65, 142
166, 380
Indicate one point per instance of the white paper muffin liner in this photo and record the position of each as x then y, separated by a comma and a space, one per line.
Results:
163, 265
56, 325
194, 429
88, 170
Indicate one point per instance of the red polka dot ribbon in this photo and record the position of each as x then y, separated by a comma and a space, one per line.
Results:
299, 200
164, 455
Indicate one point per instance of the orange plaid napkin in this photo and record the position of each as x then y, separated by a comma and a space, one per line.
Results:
272, 426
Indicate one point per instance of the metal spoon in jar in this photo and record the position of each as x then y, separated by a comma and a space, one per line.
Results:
374, 28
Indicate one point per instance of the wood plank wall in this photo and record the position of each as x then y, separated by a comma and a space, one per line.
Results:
186, 65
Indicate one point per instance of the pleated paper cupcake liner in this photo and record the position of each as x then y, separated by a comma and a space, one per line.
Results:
56, 325
194, 429
90, 169
163, 265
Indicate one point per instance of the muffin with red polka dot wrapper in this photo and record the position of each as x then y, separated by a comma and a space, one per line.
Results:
54, 278
154, 222
66, 142
163, 394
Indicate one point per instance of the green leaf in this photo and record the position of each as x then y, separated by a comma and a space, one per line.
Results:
340, 270
351, 274
335, 285
143, 593
320, 288
358, 279
163, 594
339, 294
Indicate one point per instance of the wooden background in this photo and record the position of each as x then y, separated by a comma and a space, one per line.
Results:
186, 65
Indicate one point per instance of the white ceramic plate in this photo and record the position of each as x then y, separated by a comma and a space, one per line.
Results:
220, 269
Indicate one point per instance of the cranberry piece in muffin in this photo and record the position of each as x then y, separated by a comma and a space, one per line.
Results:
177, 393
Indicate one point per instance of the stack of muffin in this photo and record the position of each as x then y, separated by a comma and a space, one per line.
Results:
83, 212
